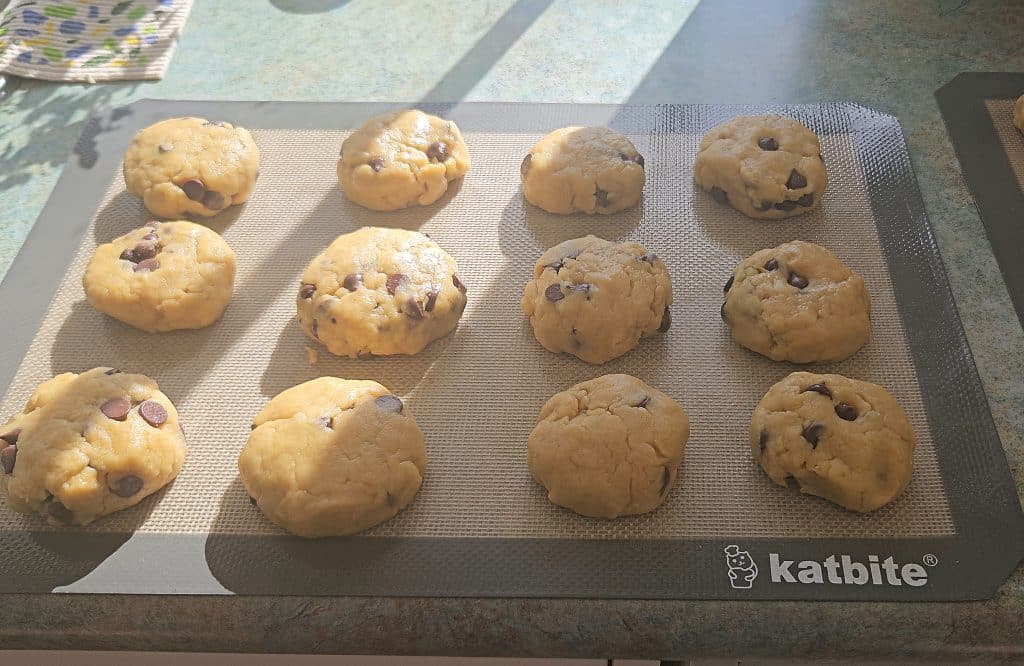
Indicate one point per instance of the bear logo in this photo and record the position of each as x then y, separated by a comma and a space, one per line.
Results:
742, 568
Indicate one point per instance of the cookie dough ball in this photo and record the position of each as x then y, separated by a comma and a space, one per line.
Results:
797, 302
88, 445
333, 457
608, 447
401, 159
191, 166
766, 167
583, 169
380, 291
838, 438
163, 277
595, 299
1018, 113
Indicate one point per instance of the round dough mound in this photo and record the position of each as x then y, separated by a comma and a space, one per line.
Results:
191, 166
797, 302
401, 159
1018, 113
90, 444
766, 167
838, 438
583, 169
380, 291
608, 447
162, 277
595, 299
332, 456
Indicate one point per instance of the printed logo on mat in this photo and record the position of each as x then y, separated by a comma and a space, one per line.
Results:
834, 569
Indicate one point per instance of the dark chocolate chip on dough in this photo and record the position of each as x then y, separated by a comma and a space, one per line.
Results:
58, 511
457, 281
153, 413
376, 163
8, 456
797, 280
812, 433
767, 143
389, 403
194, 189
602, 197
524, 168
353, 281
818, 388
438, 151
307, 290
395, 281
719, 195
796, 180
786, 205
126, 486
214, 200
11, 436
554, 293
806, 200
116, 408
846, 412
729, 283
666, 321
147, 266
771, 265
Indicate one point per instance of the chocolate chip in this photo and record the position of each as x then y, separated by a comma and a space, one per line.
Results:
8, 454
767, 143
722, 312
458, 282
389, 403
602, 197
771, 265
147, 266
252, 426
646, 400
128, 255
164, 147
554, 293
791, 482
812, 433
786, 205
438, 151
431, 301
151, 236
324, 421
798, 281
376, 163
396, 280
524, 168
818, 388
796, 180
353, 281
729, 282
806, 200
213, 200
762, 441
153, 412
59, 512
579, 288
649, 258
252, 500
126, 486
763, 206
116, 408
11, 437
112, 371
719, 195
846, 412
307, 291
557, 266
666, 479
145, 250
194, 189
639, 159
666, 321
411, 308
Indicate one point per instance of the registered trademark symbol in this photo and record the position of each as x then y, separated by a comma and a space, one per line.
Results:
930, 560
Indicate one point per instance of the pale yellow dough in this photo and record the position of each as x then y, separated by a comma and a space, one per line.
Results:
380, 291
838, 438
191, 166
827, 319
595, 299
583, 169
608, 447
332, 456
1018, 113
72, 463
189, 286
401, 159
766, 167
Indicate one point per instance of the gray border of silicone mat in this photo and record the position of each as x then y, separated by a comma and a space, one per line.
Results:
989, 539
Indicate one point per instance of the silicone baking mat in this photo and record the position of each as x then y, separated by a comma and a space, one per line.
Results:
978, 110
480, 525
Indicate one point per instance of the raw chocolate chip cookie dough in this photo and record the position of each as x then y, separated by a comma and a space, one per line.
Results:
380, 291
583, 169
608, 447
401, 159
333, 457
1018, 113
90, 444
797, 302
595, 299
191, 166
767, 167
838, 438
163, 277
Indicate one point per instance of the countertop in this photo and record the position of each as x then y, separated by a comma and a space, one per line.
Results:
885, 55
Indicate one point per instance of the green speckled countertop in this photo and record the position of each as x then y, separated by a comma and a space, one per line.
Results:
891, 56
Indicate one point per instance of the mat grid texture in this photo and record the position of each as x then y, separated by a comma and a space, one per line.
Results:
1011, 138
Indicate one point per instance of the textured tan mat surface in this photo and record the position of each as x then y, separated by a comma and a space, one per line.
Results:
1001, 111
476, 394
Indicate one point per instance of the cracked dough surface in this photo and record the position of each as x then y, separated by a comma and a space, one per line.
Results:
595, 299
332, 456
842, 439
608, 447
766, 167
380, 291
162, 277
191, 166
79, 455
401, 159
1018, 113
583, 169
769, 312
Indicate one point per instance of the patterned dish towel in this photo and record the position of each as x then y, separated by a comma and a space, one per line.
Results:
90, 40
